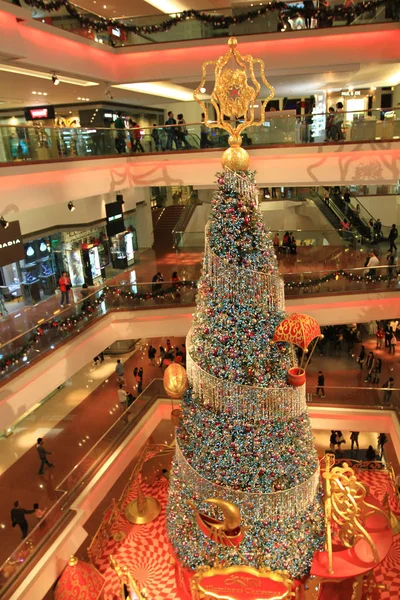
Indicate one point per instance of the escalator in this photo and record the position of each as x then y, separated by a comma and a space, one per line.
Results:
334, 216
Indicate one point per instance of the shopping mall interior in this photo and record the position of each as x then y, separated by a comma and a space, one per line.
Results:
199, 300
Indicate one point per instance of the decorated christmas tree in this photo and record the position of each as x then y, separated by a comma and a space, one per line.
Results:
245, 440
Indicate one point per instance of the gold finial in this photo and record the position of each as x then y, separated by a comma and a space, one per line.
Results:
73, 561
234, 95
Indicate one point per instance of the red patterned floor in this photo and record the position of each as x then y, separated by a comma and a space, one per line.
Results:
145, 552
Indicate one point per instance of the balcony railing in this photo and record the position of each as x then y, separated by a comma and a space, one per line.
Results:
37, 342
142, 32
39, 143
31, 550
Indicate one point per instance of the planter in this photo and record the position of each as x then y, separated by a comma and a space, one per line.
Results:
297, 376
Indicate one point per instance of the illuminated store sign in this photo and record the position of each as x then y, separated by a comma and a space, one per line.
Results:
11, 246
351, 93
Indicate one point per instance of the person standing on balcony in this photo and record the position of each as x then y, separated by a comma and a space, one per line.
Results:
137, 136
361, 357
372, 263
276, 243
329, 126
354, 439
64, 283
18, 518
120, 371
183, 132
308, 12
380, 334
370, 454
392, 343
320, 385
122, 398
393, 233
390, 259
338, 121
43, 456
171, 131
387, 394
156, 138
377, 370
382, 440
119, 125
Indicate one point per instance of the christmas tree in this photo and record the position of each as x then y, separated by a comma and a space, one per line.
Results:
245, 435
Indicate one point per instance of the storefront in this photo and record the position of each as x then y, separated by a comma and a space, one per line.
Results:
31, 276
85, 255
123, 248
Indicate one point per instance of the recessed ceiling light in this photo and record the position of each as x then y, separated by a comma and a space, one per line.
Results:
44, 93
104, 5
203, 90
34, 92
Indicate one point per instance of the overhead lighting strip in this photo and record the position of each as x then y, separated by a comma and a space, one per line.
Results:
44, 75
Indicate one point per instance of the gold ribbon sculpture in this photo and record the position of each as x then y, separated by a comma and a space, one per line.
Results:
345, 505
234, 98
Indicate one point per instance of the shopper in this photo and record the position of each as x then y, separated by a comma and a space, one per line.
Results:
372, 263
183, 132
137, 136
157, 280
382, 440
156, 137
332, 440
392, 343
18, 518
338, 121
380, 334
390, 259
122, 398
39, 513
120, 142
151, 353
320, 385
354, 439
120, 371
42, 452
370, 454
64, 283
329, 126
370, 360
339, 440
162, 355
377, 370
308, 12
392, 237
387, 394
171, 131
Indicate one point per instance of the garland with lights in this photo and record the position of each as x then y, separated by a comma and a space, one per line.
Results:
245, 435
69, 324
9, 360
286, 11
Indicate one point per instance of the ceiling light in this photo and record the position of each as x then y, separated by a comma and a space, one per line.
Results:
4, 223
203, 90
55, 79
168, 6
104, 5
34, 92
159, 88
44, 75
71, 206
44, 93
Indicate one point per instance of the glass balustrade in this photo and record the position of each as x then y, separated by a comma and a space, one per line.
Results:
28, 553
35, 343
26, 143
192, 29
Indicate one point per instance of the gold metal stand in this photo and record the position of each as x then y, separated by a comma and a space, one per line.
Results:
143, 509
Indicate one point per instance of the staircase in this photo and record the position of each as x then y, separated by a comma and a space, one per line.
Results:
164, 222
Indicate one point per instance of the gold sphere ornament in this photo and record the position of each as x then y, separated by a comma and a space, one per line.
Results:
236, 159
175, 381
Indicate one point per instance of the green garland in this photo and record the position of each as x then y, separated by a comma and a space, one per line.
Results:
8, 361
286, 11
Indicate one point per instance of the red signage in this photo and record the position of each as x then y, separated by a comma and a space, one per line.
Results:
39, 113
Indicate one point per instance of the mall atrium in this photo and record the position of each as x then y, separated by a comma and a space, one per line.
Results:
199, 300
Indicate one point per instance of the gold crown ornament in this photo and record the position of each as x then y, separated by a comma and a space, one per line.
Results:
233, 99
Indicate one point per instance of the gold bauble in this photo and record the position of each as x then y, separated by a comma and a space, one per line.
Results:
175, 380
236, 159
